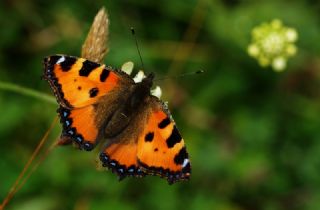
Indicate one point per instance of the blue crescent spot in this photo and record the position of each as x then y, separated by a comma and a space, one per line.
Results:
79, 139
65, 114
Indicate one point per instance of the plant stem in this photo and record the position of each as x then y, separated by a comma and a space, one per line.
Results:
27, 91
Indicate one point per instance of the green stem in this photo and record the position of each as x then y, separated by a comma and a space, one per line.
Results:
27, 92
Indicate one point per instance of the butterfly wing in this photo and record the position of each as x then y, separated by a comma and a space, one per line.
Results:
78, 82
79, 126
79, 85
161, 149
121, 159
151, 144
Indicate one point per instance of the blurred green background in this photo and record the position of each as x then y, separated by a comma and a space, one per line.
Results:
252, 134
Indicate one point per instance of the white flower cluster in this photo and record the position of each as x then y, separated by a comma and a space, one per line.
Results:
272, 44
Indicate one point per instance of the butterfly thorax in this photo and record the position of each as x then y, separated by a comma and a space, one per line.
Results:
135, 100
141, 91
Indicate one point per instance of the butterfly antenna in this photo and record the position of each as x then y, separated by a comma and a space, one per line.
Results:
136, 41
182, 75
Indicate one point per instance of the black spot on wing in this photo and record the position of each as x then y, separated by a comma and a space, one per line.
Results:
187, 169
52, 59
181, 156
87, 68
104, 75
93, 92
174, 138
164, 123
49, 63
67, 63
149, 137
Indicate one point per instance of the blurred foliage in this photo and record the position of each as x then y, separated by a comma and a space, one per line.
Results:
253, 135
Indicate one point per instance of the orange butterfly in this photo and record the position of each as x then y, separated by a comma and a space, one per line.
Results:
99, 103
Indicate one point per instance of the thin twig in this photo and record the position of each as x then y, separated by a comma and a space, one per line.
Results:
15, 186
35, 166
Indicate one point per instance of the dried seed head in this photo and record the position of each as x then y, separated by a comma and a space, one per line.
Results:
95, 46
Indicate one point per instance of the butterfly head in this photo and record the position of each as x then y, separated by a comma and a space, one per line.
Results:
147, 82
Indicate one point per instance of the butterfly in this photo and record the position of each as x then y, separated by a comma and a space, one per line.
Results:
98, 103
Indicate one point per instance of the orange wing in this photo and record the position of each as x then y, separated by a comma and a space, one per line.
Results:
161, 150
151, 144
78, 82
79, 125
121, 158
